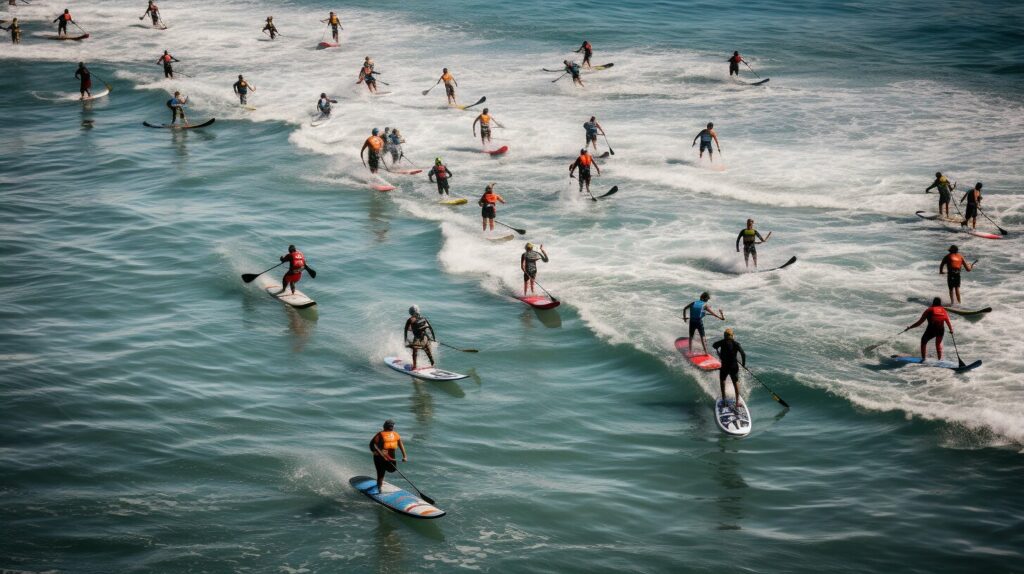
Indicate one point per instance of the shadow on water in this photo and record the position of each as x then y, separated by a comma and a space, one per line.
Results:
729, 503
547, 317
421, 404
380, 224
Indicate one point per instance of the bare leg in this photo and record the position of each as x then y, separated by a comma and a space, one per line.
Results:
957, 295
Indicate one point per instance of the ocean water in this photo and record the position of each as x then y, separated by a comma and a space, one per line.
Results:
159, 415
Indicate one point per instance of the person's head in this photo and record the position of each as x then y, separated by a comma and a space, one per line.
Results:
711, 125
323, 94
375, 131
750, 223
938, 174
81, 64
937, 302
486, 110
529, 247
705, 296
395, 131
566, 62
444, 70
291, 249
387, 130
489, 188
332, 13
729, 334
437, 161
954, 249
414, 310
977, 185
270, 18
735, 53
389, 425
165, 51
239, 76
176, 94
65, 11
593, 118
583, 151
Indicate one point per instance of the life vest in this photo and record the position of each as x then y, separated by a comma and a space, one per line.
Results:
937, 316
419, 327
447, 77
585, 160
485, 120
749, 236
375, 143
166, 58
942, 182
389, 439
736, 59
956, 261
243, 85
298, 262
66, 17
586, 47
334, 21
440, 172
490, 199
697, 312
367, 70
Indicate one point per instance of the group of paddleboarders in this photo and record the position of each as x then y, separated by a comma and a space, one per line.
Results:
972, 197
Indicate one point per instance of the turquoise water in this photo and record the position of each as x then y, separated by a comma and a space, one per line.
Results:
159, 415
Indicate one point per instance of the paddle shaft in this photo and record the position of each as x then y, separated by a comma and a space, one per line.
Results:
957, 351
425, 92
550, 296
873, 347
248, 278
751, 69
774, 396
394, 463
559, 77
516, 229
1001, 230
456, 348
610, 150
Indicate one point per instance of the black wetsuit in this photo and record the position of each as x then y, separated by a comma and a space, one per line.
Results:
727, 350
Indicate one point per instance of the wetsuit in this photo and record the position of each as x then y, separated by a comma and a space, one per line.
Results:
296, 264
945, 192
749, 237
937, 318
62, 24
592, 130
440, 174
242, 88
420, 328
85, 80
697, 310
734, 64
583, 162
530, 258
166, 60
727, 350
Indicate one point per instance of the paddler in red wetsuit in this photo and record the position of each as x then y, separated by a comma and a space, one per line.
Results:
937, 317
296, 264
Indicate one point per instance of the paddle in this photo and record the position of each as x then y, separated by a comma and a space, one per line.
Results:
516, 229
559, 77
550, 296
425, 92
312, 272
957, 351
394, 463
751, 69
613, 190
478, 102
1001, 230
456, 348
610, 150
774, 396
248, 277
873, 347
79, 27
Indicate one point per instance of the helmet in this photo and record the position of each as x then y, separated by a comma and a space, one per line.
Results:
389, 424
414, 310
437, 161
375, 131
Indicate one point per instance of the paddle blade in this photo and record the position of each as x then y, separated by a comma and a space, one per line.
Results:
612, 191
425, 92
791, 261
312, 272
610, 150
872, 348
779, 399
469, 350
426, 498
248, 277
519, 231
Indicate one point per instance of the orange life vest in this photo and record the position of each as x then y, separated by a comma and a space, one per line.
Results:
447, 77
585, 160
485, 119
375, 143
390, 440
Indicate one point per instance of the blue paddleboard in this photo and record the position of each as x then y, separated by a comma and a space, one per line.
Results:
401, 501
935, 363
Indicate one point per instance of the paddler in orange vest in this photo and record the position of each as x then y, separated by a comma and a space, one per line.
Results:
734, 63
383, 446
937, 317
62, 26
485, 126
955, 262
333, 20
488, 202
449, 85
166, 60
376, 145
296, 265
368, 75
583, 162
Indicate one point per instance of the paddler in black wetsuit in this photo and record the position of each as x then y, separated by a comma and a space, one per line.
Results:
945, 191
383, 446
166, 60
153, 12
85, 80
334, 22
419, 326
15, 29
749, 235
727, 350
734, 63
63, 19
440, 173
528, 263
270, 27
973, 198
583, 162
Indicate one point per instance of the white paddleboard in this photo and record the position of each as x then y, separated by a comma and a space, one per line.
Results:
320, 120
427, 373
733, 421
95, 96
299, 300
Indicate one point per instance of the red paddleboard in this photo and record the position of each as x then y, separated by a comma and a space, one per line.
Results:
539, 302
502, 150
377, 187
323, 45
407, 171
984, 234
697, 358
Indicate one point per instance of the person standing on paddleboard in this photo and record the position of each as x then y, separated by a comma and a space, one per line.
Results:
973, 198
166, 60
488, 203
696, 319
727, 349
296, 265
593, 129
177, 106
955, 262
440, 173
62, 20
393, 144
383, 446
449, 85
242, 88
937, 317
270, 28
705, 136
84, 80
375, 144
734, 63
15, 30
528, 263
587, 50
583, 162
484, 119
418, 325
750, 237
153, 12
368, 75
333, 20
945, 191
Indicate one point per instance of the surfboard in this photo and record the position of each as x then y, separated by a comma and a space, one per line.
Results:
248, 107
984, 234
698, 358
500, 151
968, 312
906, 360
425, 373
180, 126
540, 302
732, 420
95, 96
406, 171
501, 238
323, 45
454, 201
75, 38
299, 300
394, 498
791, 261
604, 66
465, 107
934, 216
760, 83
320, 120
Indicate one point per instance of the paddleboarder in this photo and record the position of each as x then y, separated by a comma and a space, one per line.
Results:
393, 144
488, 203
439, 174
153, 12
705, 136
383, 446
484, 119
727, 348
973, 198
15, 30
166, 60
375, 145
528, 263
574, 69
696, 319
62, 23
334, 22
449, 85
296, 265
84, 80
368, 75
587, 50
750, 237
734, 63
270, 28
583, 162
954, 262
323, 105
418, 325
936, 317
592, 129
177, 105
242, 88
945, 191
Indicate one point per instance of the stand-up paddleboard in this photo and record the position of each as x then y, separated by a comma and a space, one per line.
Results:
383, 186
454, 201
791, 261
697, 358
906, 360
95, 96
984, 234
320, 119
501, 238
180, 126
75, 38
405, 171
425, 373
394, 498
605, 155
500, 151
968, 312
934, 216
466, 107
562, 70
760, 83
731, 419
612, 191
604, 66
540, 302
299, 300
323, 45
248, 107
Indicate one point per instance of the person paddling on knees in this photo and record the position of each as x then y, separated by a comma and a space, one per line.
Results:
383, 445
593, 129
375, 144
973, 198
420, 327
296, 265
488, 203
696, 319
945, 192
242, 88
440, 173
955, 262
727, 349
528, 263
484, 119
84, 79
936, 317
750, 237
177, 106
705, 136
583, 162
